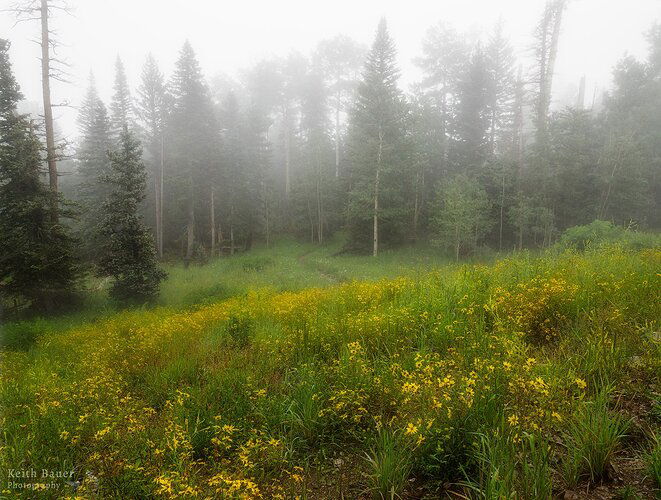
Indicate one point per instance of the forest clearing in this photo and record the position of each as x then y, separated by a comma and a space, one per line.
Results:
529, 376
330, 250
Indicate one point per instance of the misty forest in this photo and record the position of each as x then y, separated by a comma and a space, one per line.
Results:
322, 278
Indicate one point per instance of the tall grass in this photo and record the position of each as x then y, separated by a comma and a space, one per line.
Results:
394, 386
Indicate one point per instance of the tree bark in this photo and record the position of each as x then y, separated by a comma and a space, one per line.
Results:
212, 216
416, 207
48, 111
232, 228
287, 145
337, 135
375, 248
160, 199
190, 229
502, 209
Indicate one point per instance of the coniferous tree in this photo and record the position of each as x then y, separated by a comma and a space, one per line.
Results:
121, 105
445, 53
340, 60
36, 254
472, 118
316, 181
92, 166
151, 108
236, 197
193, 142
377, 147
128, 254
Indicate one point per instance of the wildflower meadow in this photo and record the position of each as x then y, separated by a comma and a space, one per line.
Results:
526, 378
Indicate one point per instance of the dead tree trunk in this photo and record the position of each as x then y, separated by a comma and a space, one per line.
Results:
48, 111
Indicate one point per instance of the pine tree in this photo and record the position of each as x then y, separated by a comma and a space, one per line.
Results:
36, 254
121, 106
235, 181
340, 59
193, 142
316, 181
92, 166
151, 108
377, 138
443, 62
501, 91
128, 254
472, 120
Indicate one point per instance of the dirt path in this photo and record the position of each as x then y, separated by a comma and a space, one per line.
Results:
302, 259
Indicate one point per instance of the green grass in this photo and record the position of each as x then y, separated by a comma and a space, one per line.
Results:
285, 266
276, 371
593, 438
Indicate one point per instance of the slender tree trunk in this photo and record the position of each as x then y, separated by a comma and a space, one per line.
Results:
287, 146
456, 243
416, 206
320, 216
320, 205
444, 139
337, 135
160, 199
375, 249
311, 221
157, 214
232, 228
190, 228
212, 215
48, 111
267, 228
502, 209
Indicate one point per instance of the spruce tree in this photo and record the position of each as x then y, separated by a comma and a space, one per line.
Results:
36, 254
151, 108
377, 148
128, 254
121, 107
92, 166
193, 142
472, 120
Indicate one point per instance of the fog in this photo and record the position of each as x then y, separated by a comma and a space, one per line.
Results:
229, 37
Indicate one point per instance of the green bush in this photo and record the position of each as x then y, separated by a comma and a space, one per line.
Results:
601, 232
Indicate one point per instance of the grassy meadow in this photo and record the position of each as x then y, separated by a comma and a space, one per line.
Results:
292, 372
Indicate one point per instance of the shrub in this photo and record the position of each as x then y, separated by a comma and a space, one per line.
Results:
601, 232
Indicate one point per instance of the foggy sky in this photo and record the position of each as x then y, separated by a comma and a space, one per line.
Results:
229, 36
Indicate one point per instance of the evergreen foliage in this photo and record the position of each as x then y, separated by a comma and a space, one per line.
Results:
128, 254
378, 152
36, 254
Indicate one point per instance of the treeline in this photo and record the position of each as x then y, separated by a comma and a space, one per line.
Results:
40, 261
471, 156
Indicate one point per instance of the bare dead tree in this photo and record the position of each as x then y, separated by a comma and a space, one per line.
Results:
547, 35
52, 67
